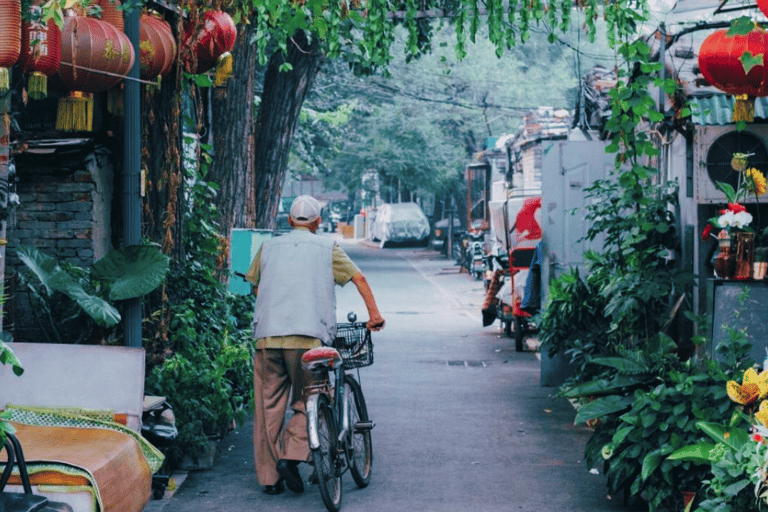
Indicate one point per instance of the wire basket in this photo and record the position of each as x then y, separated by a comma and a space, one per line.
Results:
354, 344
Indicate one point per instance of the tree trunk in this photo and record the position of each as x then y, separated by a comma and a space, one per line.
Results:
232, 128
281, 101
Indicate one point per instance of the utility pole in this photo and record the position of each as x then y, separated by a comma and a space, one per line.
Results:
132, 174
5, 160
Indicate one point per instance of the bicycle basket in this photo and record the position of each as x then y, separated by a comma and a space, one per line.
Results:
355, 345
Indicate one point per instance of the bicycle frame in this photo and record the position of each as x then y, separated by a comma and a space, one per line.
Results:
340, 407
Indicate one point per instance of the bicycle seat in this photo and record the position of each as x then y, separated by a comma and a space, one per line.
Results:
321, 358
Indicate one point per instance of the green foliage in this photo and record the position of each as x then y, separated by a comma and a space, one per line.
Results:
653, 405
8, 357
201, 357
74, 304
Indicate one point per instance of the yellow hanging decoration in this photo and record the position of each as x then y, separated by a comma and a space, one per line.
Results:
5, 80
744, 108
38, 86
75, 113
224, 69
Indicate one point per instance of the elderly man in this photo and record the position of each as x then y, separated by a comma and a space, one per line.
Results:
294, 278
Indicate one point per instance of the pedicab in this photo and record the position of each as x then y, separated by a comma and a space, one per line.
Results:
513, 268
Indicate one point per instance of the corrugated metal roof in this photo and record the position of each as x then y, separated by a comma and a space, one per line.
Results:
718, 109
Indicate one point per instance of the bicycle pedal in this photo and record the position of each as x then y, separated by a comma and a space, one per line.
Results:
364, 426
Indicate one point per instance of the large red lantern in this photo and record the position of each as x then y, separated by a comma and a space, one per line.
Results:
720, 63
10, 39
157, 50
763, 6
40, 51
95, 56
204, 47
110, 12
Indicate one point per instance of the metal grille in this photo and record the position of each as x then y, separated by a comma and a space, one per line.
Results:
354, 344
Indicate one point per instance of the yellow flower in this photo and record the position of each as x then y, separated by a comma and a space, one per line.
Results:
752, 387
755, 181
762, 413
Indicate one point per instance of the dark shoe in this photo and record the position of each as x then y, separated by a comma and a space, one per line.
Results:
275, 489
289, 470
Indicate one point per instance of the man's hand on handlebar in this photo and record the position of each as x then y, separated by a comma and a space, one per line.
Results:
375, 323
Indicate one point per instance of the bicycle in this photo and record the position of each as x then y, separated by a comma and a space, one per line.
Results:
338, 426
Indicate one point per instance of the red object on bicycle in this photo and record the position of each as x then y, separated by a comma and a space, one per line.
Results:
327, 356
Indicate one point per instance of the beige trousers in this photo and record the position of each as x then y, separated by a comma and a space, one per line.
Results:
278, 379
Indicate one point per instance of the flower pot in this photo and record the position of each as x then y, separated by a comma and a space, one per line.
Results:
203, 458
745, 255
760, 266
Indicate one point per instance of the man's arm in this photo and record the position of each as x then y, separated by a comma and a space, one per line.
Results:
375, 320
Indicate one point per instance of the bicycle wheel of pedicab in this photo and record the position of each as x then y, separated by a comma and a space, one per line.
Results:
519, 333
326, 457
362, 449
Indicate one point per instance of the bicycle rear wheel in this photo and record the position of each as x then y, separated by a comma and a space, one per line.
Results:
362, 450
326, 457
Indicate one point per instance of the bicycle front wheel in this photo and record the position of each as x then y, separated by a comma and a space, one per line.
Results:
326, 457
362, 450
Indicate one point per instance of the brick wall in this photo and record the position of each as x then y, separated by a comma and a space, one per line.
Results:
64, 212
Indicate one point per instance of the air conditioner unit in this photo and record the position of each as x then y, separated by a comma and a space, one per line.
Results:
714, 147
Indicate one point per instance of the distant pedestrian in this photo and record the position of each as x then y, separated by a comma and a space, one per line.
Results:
294, 278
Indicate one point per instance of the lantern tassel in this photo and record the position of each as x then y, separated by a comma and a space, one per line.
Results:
38, 86
224, 69
75, 113
744, 108
5, 80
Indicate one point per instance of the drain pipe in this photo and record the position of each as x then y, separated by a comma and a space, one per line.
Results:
132, 174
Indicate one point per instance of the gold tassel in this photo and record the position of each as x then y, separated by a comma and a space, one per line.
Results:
38, 86
5, 80
223, 69
75, 113
744, 108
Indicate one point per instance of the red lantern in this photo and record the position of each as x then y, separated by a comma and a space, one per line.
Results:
719, 61
10, 39
157, 50
203, 48
40, 51
763, 6
110, 12
95, 56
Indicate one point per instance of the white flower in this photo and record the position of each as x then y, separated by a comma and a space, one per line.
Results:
742, 219
734, 220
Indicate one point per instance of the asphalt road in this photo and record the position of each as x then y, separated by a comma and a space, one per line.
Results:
462, 423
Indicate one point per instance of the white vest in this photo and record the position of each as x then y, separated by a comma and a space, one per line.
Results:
297, 294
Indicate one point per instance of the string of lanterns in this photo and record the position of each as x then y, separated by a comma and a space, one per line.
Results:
90, 53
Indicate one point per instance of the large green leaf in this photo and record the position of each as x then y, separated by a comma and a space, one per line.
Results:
601, 387
45, 267
622, 364
602, 407
131, 271
54, 278
697, 453
733, 437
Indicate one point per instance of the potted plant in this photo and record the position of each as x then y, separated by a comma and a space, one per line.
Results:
734, 221
8, 357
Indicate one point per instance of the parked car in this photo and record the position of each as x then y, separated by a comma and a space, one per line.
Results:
400, 223
440, 234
